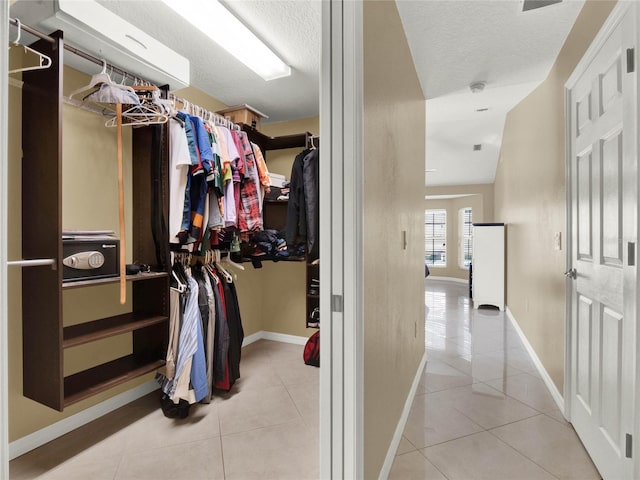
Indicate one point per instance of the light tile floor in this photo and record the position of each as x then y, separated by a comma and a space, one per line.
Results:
481, 410
266, 428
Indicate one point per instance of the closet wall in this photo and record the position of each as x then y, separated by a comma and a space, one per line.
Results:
271, 299
530, 197
284, 303
394, 155
90, 166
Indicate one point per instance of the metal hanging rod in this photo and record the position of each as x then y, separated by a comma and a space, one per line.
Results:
74, 50
203, 112
32, 263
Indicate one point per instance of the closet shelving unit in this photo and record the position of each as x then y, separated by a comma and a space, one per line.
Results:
275, 211
45, 337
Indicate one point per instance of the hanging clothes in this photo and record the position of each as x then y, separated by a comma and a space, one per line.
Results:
179, 163
189, 380
250, 219
311, 191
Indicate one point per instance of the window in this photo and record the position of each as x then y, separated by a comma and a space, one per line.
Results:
466, 237
435, 237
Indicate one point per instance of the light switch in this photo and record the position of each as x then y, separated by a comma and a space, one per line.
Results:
557, 241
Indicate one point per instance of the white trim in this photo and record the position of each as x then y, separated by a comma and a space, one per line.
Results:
341, 193
55, 430
395, 441
546, 378
254, 337
4, 347
448, 279
568, 327
274, 336
284, 338
606, 30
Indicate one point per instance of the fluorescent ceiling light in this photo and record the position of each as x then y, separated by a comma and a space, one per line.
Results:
219, 24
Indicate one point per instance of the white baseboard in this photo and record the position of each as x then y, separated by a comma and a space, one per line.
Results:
254, 337
282, 337
55, 430
397, 437
448, 279
276, 337
546, 378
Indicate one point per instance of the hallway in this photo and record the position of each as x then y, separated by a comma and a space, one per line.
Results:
481, 410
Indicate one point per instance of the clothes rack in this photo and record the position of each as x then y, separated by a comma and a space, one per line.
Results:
76, 51
194, 109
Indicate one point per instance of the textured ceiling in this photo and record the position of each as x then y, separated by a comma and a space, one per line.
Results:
291, 28
453, 43
457, 42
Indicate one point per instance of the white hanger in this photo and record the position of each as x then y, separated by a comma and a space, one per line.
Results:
181, 286
228, 260
44, 62
100, 78
227, 276
143, 114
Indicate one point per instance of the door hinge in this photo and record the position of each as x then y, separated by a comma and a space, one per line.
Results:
631, 63
629, 447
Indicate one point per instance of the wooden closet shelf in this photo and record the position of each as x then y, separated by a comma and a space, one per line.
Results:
108, 327
281, 202
107, 375
313, 296
298, 140
102, 281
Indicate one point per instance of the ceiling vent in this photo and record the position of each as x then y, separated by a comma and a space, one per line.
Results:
534, 4
477, 147
96, 30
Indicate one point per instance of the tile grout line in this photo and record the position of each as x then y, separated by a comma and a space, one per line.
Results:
519, 452
224, 471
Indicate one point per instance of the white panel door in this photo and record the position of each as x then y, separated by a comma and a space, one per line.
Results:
603, 174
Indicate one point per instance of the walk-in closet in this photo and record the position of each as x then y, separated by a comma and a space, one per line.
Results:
164, 238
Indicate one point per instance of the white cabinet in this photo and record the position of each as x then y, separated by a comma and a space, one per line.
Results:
488, 264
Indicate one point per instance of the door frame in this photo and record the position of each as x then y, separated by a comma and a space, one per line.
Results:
615, 17
4, 347
341, 213
341, 378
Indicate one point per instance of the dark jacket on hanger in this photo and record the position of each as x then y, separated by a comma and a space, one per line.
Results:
311, 178
296, 211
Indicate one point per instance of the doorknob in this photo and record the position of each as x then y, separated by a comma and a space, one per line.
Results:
571, 273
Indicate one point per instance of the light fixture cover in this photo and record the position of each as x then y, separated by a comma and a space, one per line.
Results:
219, 24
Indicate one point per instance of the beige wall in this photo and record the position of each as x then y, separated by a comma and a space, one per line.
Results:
484, 190
89, 201
454, 244
530, 198
394, 138
284, 304
480, 199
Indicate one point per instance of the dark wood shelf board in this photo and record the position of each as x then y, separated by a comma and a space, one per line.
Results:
297, 140
313, 296
107, 327
90, 382
103, 281
276, 202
